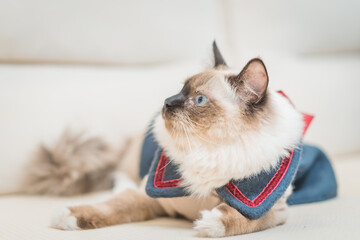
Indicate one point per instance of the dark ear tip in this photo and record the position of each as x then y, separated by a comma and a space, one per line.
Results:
219, 60
215, 48
257, 60
214, 44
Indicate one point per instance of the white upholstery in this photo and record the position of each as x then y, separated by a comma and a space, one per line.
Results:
24, 217
106, 31
297, 27
141, 31
28, 218
38, 102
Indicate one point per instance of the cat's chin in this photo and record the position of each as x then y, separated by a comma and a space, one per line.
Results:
169, 140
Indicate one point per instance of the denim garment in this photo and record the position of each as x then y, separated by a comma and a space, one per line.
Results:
309, 170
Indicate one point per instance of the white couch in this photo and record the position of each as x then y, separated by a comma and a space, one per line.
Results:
106, 66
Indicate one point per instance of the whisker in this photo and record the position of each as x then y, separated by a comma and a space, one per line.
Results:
187, 136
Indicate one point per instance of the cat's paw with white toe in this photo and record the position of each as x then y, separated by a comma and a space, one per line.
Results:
62, 219
210, 224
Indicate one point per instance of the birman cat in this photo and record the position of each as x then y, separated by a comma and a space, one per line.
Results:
224, 125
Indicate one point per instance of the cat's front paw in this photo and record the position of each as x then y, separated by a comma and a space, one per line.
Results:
210, 224
62, 219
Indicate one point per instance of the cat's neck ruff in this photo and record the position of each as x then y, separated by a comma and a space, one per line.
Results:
204, 169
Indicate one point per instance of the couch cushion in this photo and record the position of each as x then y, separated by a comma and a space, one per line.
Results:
29, 218
307, 26
37, 102
26, 217
137, 31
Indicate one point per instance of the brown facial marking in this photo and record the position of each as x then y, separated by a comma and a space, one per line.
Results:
215, 120
251, 114
251, 88
252, 82
191, 119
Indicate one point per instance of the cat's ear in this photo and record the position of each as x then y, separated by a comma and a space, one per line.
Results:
218, 58
253, 81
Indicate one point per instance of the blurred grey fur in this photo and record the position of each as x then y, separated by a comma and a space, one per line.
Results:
76, 164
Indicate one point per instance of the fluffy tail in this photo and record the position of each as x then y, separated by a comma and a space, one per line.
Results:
75, 165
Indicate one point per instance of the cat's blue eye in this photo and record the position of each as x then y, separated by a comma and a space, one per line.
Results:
200, 99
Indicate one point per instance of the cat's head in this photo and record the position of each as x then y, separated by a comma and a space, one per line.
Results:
217, 104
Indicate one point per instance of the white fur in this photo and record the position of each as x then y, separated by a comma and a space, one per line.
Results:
122, 182
62, 220
210, 225
246, 152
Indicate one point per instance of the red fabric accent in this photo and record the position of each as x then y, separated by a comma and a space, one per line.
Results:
160, 172
282, 93
307, 120
270, 187
306, 117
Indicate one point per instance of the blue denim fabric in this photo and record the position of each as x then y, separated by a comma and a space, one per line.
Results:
315, 178
149, 148
253, 186
170, 174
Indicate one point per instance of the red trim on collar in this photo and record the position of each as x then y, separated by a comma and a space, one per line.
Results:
160, 172
270, 187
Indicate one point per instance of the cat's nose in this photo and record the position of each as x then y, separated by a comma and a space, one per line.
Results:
174, 101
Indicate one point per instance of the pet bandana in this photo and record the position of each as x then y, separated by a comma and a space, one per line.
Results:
307, 168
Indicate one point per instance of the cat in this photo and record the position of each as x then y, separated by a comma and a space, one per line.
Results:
223, 124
